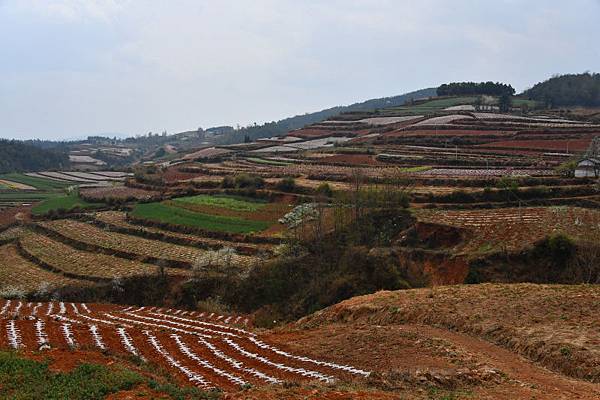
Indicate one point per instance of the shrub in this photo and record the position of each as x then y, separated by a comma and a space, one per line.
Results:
245, 181
228, 182
286, 185
324, 189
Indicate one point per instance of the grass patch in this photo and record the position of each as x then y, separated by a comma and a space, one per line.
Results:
26, 379
22, 379
38, 183
432, 105
64, 202
179, 216
414, 169
236, 203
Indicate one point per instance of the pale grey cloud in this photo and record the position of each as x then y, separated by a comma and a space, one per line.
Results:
72, 67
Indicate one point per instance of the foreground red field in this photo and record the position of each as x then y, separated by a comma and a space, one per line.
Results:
201, 349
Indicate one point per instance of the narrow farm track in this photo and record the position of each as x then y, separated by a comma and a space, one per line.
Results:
206, 350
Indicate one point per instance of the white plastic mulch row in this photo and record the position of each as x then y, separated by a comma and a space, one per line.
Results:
182, 325
14, 335
345, 368
148, 324
193, 321
192, 376
40, 332
18, 307
103, 321
128, 342
68, 334
62, 308
188, 352
35, 309
5, 307
236, 363
85, 308
283, 367
50, 308
97, 337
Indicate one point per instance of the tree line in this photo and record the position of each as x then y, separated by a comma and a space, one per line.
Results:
16, 156
567, 90
474, 88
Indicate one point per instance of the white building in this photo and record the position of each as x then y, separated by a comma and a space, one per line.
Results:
588, 168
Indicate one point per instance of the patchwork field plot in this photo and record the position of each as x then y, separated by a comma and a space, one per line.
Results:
220, 213
201, 349
19, 275
516, 228
130, 246
164, 213
116, 220
117, 193
62, 202
92, 235
35, 181
82, 264
227, 202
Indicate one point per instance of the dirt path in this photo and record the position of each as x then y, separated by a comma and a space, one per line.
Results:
413, 349
540, 382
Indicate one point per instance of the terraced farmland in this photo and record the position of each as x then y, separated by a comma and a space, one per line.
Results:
115, 220
206, 350
130, 246
516, 228
84, 265
19, 276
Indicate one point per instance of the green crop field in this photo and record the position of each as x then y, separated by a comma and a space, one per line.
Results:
62, 202
267, 162
38, 183
430, 106
236, 203
179, 216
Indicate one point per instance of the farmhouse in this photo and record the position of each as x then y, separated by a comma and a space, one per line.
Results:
588, 168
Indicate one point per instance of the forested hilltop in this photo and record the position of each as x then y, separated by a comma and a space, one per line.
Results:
473, 88
568, 90
16, 156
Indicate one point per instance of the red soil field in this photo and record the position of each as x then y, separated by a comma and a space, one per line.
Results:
173, 174
557, 145
206, 350
446, 132
7, 216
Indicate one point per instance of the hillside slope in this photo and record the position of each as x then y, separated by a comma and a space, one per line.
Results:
288, 124
465, 337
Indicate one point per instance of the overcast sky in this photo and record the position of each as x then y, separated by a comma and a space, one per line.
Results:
69, 68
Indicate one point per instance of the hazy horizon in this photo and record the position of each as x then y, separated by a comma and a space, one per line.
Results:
72, 68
